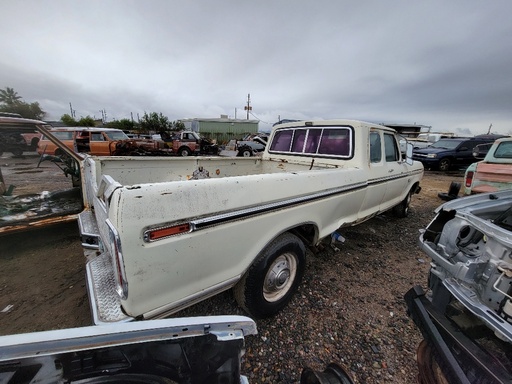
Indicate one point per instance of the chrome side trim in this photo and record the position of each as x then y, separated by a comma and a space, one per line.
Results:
198, 224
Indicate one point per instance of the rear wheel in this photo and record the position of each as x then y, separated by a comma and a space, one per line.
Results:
444, 164
184, 152
271, 281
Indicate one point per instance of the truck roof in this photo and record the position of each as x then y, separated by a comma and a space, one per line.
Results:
88, 129
322, 123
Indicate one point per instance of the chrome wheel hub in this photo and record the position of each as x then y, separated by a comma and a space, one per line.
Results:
280, 277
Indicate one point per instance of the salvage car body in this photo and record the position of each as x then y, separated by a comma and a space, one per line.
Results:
183, 350
99, 142
494, 172
470, 282
23, 212
189, 350
17, 137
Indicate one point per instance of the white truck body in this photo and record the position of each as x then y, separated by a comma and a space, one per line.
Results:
170, 232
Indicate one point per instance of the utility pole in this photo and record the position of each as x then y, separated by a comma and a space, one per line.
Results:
248, 106
103, 116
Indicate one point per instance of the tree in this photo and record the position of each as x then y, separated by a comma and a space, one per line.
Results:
177, 126
9, 96
14, 103
28, 111
154, 122
87, 121
123, 124
68, 120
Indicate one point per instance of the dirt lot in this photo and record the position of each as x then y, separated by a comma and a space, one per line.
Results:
349, 308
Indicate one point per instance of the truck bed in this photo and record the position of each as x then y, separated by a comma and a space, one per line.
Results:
141, 170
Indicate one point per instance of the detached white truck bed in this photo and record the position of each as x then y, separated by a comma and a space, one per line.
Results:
164, 233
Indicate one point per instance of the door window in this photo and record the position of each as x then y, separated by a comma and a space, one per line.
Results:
375, 147
97, 137
391, 148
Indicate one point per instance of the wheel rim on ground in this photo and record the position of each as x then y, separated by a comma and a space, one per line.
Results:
280, 277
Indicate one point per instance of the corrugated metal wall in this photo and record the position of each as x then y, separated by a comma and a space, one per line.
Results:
223, 131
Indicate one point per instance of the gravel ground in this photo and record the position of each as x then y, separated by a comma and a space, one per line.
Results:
348, 310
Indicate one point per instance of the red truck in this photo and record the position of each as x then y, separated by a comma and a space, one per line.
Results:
186, 143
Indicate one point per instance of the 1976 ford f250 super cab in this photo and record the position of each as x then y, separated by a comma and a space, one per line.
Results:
161, 234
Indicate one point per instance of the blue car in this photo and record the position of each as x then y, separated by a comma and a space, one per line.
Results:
451, 152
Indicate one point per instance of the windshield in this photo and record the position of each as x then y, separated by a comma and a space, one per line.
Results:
446, 144
116, 135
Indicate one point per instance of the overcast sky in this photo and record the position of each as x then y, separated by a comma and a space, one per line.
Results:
445, 64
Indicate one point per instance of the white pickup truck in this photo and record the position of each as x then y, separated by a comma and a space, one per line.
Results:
162, 234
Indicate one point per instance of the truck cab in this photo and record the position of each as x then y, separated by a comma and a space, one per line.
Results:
184, 143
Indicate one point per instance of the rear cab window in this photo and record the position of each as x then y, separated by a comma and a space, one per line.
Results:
318, 141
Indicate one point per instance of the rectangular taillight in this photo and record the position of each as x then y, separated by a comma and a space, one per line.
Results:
469, 178
167, 231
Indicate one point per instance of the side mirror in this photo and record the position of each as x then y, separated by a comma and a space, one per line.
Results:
408, 153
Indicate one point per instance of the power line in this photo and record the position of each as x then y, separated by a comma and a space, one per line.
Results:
257, 118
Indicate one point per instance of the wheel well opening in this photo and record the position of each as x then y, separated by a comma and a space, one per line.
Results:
308, 233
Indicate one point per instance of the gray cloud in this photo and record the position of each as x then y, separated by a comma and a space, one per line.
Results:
433, 63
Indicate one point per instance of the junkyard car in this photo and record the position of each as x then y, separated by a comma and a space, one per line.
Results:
252, 145
467, 316
447, 153
494, 172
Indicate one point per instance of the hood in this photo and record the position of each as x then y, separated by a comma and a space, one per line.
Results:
428, 150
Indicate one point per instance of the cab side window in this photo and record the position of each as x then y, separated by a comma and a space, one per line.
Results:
375, 147
391, 148
97, 137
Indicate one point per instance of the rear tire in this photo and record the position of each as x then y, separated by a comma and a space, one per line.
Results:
273, 278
